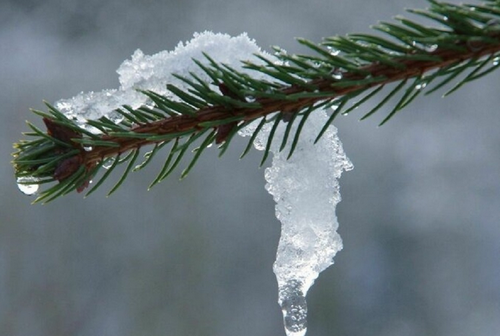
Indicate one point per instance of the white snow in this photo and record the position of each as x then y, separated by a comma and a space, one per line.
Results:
305, 187
153, 72
306, 191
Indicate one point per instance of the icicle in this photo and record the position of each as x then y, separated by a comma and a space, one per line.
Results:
293, 303
306, 190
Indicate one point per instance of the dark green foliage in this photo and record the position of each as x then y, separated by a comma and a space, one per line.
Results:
412, 58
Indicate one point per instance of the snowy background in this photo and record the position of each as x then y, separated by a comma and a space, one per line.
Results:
420, 216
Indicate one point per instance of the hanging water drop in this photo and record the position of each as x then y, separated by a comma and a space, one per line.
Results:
108, 163
496, 60
87, 148
420, 86
431, 47
250, 99
333, 51
337, 75
27, 185
334, 105
426, 47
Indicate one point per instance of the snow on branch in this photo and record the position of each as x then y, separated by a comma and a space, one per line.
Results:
213, 86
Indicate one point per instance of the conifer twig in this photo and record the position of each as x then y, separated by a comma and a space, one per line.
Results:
341, 68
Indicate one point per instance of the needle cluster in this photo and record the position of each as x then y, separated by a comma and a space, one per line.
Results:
341, 72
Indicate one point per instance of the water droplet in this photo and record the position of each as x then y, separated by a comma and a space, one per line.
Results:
144, 163
334, 105
87, 148
294, 307
337, 75
496, 60
333, 51
108, 163
115, 117
420, 86
425, 47
431, 47
27, 185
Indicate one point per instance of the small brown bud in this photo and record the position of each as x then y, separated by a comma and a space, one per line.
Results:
60, 132
67, 167
223, 131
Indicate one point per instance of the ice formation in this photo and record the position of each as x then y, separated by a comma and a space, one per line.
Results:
153, 72
304, 187
306, 191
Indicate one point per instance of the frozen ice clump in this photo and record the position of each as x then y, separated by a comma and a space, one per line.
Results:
306, 191
153, 72
93, 105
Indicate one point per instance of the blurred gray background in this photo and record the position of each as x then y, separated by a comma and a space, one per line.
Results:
420, 216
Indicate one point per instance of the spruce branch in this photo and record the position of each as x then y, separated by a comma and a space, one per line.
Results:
465, 42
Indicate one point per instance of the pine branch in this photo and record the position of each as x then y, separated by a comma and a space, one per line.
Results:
466, 43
